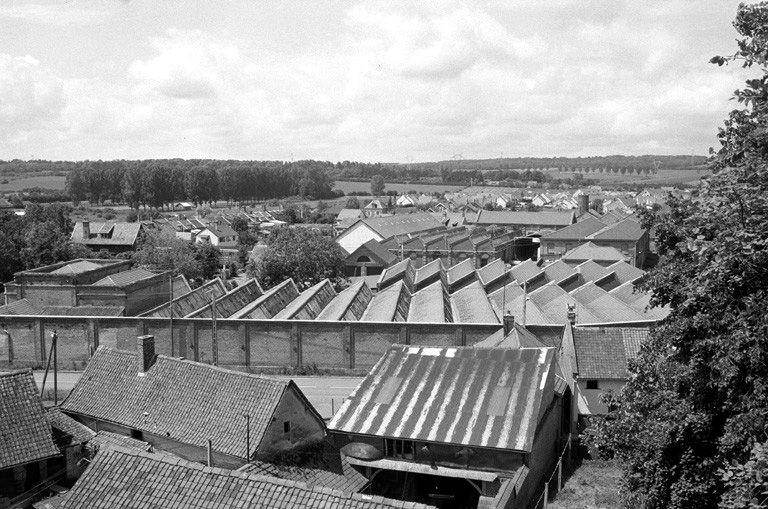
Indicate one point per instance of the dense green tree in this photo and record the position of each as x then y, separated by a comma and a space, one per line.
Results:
377, 185
691, 425
301, 254
352, 203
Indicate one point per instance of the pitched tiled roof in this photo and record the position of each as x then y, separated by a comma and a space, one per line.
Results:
603, 352
123, 234
125, 278
477, 397
232, 301
471, 305
428, 305
25, 433
106, 439
399, 224
628, 229
506, 217
122, 478
66, 430
590, 251
350, 304
576, 231
389, 305
375, 248
77, 267
322, 465
190, 302
184, 400
18, 307
491, 272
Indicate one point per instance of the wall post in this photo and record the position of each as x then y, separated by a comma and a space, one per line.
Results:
247, 344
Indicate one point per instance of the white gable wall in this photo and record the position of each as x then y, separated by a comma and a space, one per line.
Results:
357, 235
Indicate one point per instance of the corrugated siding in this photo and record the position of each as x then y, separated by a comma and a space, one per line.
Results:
233, 301
446, 395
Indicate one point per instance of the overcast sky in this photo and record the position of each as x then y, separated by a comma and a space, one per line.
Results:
362, 80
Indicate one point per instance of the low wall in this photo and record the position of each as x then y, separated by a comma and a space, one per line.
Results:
242, 344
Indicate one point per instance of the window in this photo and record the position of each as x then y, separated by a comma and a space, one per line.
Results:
363, 259
550, 247
137, 434
592, 384
398, 448
286, 426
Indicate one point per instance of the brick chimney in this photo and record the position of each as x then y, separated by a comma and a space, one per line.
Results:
583, 204
509, 323
572, 314
146, 348
86, 230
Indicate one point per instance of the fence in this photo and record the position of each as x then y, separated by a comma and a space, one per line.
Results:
246, 345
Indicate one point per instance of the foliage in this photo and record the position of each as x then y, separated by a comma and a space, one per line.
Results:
301, 254
747, 483
161, 251
352, 203
696, 404
40, 237
377, 185
162, 182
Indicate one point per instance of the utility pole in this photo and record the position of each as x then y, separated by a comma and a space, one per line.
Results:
55, 347
247, 438
214, 343
170, 305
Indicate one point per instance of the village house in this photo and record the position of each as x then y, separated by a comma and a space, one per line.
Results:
626, 236
601, 360
28, 455
406, 200
346, 218
86, 286
380, 228
114, 237
219, 234
463, 427
186, 407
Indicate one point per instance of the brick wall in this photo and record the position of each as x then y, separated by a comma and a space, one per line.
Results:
248, 345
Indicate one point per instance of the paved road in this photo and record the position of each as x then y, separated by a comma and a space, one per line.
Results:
325, 392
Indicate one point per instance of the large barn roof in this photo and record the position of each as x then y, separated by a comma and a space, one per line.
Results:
478, 397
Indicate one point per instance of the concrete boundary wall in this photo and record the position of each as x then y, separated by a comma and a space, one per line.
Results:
242, 344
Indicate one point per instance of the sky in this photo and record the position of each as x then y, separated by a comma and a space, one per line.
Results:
362, 80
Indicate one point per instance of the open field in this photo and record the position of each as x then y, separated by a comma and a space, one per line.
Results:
45, 182
347, 187
594, 485
663, 177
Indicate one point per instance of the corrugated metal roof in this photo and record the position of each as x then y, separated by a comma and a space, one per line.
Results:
399, 224
479, 397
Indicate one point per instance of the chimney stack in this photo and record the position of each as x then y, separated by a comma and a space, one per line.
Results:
583, 204
509, 323
572, 314
86, 230
146, 347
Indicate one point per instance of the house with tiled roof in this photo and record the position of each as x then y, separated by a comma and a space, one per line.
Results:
370, 259
471, 427
115, 237
182, 406
384, 227
601, 357
120, 477
26, 438
525, 223
219, 234
626, 236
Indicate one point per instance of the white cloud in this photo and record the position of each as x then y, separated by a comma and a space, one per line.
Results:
420, 80
30, 96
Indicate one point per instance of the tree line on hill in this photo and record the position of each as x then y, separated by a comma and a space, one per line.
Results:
157, 183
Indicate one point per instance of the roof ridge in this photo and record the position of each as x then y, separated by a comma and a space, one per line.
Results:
195, 363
